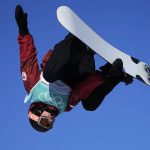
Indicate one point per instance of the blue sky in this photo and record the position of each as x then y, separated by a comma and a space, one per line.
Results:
122, 122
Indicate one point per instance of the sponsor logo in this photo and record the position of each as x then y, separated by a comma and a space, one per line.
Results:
56, 101
24, 76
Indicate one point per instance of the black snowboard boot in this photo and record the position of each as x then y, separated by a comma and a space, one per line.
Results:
106, 68
115, 71
117, 67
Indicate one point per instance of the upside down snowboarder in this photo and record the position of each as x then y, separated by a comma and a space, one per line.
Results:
67, 76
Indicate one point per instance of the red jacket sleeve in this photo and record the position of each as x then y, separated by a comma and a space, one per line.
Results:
45, 59
85, 88
28, 62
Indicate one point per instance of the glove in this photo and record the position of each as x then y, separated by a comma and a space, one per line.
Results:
21, 19
128, 79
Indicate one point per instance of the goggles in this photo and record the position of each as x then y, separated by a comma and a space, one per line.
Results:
43, 121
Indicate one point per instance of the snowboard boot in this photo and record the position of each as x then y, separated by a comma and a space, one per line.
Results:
106, 68
117, 72
112, 70
117, 67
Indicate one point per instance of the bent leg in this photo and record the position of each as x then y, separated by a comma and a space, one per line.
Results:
60, 57
113, 77
92, 102
70, 61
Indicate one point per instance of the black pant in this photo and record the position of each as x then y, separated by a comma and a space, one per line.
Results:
96, 98
70, 62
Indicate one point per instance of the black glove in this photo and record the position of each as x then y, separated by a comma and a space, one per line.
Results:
128, 79
21, 19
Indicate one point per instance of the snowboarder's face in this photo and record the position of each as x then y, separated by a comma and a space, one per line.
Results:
46, 119
48, 115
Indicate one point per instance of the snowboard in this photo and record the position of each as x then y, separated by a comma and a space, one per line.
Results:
69, 20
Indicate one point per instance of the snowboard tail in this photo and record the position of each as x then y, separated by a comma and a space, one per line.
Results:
78, 28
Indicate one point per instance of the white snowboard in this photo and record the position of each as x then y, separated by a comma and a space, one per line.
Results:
77, 27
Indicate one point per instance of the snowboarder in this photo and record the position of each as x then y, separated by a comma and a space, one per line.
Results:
67, 76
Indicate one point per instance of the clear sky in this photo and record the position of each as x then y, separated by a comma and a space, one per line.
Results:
122, 122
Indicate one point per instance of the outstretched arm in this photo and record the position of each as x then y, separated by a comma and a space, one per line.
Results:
28, 56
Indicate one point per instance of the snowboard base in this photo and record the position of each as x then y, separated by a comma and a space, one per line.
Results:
78, 28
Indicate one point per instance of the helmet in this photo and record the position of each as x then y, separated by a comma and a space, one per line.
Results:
38, 122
